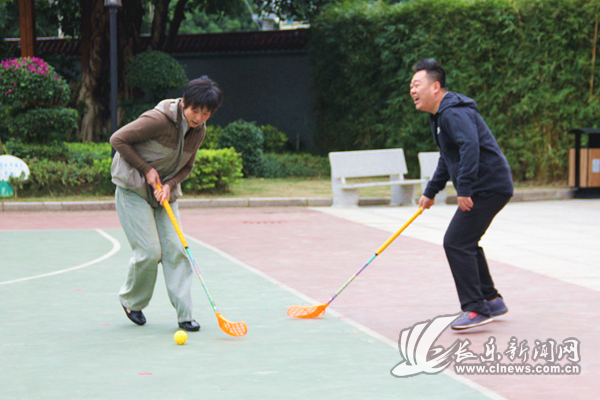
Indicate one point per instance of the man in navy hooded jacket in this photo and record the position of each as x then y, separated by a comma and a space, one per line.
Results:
472, 159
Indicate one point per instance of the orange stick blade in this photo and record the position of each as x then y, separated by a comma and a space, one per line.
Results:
232, 328
307, 311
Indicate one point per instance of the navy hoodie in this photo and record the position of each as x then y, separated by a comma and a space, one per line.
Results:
470, 155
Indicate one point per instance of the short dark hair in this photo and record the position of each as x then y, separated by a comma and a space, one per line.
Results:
434, 70
202, 93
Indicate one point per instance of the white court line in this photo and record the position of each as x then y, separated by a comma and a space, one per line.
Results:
482, 389
116, 247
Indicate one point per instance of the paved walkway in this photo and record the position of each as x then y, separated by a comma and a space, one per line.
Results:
258, 261
559, 239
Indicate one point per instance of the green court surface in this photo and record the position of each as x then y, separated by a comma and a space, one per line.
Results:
65, 335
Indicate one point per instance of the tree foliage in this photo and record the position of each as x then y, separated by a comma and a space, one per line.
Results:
303, 10
50, 16
201, 22
527, 63
169, 14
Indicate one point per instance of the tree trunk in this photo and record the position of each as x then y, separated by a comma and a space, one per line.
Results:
84, 23
178, 17
130, 25
27, 24
94, 96
159, 24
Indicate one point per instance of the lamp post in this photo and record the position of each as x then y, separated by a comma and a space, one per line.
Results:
113, 5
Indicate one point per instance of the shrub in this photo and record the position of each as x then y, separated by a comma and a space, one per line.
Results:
88, 153
247, 139
294, 165
275, 140
32, 95
156, 74
51, 178
30, 82
27, 151
43, 125
73, 153
211, 140
214, 170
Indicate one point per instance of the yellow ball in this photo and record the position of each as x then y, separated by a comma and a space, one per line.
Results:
180, 337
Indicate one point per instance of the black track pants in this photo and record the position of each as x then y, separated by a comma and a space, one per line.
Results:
467, 260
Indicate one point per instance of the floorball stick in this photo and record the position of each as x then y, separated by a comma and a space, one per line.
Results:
230, 328
319, 309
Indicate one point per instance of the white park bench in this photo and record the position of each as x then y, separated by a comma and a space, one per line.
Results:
428, 162
369, 164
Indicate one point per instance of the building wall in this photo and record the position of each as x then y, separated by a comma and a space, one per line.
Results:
269, 88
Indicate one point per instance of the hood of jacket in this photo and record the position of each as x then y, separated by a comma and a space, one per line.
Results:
171, 108
452, 99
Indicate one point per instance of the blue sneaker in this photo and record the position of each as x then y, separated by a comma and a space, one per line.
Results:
497, 306
469, 320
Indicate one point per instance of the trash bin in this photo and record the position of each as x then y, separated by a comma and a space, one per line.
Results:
584, 164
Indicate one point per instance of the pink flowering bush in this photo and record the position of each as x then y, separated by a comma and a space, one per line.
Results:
27, 83
32, 96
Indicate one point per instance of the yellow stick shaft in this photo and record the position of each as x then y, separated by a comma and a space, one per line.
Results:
398, 232
167, 207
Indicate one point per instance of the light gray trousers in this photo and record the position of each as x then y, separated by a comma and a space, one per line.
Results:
153, 240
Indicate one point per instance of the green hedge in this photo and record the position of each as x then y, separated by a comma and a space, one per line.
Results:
527, 63
52, 178
72, 153
26, 151
84, 169
87, 153
294, 165
214, 171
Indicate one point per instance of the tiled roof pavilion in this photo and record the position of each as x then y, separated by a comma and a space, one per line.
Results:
232, 42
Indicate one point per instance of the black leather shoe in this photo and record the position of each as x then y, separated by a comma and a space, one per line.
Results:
190, 326
137, 317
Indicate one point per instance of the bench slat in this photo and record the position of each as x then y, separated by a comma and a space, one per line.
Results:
367, 184
367, 163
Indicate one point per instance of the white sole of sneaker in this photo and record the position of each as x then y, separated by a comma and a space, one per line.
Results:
463, 327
